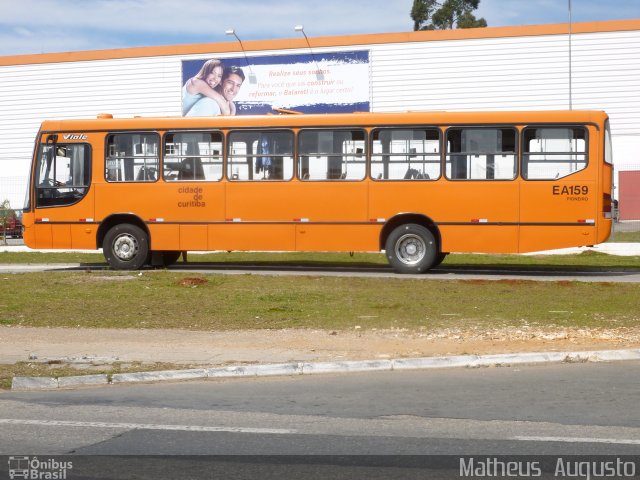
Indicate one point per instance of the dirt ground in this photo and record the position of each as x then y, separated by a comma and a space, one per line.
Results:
86, 347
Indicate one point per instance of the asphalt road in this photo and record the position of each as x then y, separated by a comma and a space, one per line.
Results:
568, 409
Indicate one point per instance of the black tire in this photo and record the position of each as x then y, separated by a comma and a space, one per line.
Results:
411, 248
169, 257
126, 247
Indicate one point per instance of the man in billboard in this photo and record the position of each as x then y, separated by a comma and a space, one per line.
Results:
229, 87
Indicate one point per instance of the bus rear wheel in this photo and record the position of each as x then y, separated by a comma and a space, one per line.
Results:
411, 248
126, 247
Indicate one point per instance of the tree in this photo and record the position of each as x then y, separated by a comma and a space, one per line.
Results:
7, 219
445, 15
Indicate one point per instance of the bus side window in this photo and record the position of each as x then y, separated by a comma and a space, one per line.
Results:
332, 154
132, 157
481, 153
260, 155
553, 152
406, 154
192, 156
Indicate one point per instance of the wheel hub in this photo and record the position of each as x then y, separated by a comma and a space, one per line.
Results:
125, 247
410, 249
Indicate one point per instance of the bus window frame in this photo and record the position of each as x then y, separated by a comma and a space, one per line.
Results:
406, 127
227, 154
608, 144
366, 155
516, 153
587, 146
186, 131
132, 132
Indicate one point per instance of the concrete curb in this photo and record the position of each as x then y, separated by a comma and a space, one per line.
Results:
191, 374
308, 368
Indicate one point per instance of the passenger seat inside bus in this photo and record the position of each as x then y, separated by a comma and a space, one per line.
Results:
191, 169
146, 174
415, 174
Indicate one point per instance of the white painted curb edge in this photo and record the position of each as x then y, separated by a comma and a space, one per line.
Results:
307, 368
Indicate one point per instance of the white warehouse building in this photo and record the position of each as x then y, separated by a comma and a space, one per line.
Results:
541, 67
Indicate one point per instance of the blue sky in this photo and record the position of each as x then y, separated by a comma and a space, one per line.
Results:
44, 26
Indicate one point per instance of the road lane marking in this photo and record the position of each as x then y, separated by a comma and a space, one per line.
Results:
145, 426
621, 441
271, 431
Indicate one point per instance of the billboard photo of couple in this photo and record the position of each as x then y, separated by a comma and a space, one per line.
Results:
335, 82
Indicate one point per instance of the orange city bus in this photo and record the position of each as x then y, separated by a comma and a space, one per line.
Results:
414, 185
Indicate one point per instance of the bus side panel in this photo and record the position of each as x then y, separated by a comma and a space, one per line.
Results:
338, 238
308, 203
194, 237
563, 212
71, 226
337, 201
472, 216
252, 236
258, 215
29, 233
83, 237
42, 236
61, 236
560, 213
191, 202
536, 239
479, 238
164, 237
171, 202
331, 217
182, 210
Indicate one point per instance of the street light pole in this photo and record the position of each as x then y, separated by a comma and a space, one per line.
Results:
570, 69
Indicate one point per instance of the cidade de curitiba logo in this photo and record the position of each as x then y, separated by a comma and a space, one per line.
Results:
38, 469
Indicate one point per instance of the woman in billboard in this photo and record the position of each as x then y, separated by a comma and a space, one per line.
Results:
199, 97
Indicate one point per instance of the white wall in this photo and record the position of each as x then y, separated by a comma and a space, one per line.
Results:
521, 73
515, 73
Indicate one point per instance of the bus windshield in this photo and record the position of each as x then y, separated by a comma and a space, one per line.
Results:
62, 174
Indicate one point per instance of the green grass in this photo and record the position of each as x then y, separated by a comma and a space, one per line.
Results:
631, 237
164, 299
51, 257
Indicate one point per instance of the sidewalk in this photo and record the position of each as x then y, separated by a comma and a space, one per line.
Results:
83, 347
211, 355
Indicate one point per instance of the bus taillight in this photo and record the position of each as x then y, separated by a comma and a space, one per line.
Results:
606, 205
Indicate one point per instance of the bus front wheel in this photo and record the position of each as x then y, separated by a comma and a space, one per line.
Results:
411, 248
126, 247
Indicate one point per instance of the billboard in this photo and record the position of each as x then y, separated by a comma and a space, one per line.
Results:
309, 83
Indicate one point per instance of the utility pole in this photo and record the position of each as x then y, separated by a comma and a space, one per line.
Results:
570, 72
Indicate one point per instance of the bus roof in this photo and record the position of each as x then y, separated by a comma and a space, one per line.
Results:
105, 122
